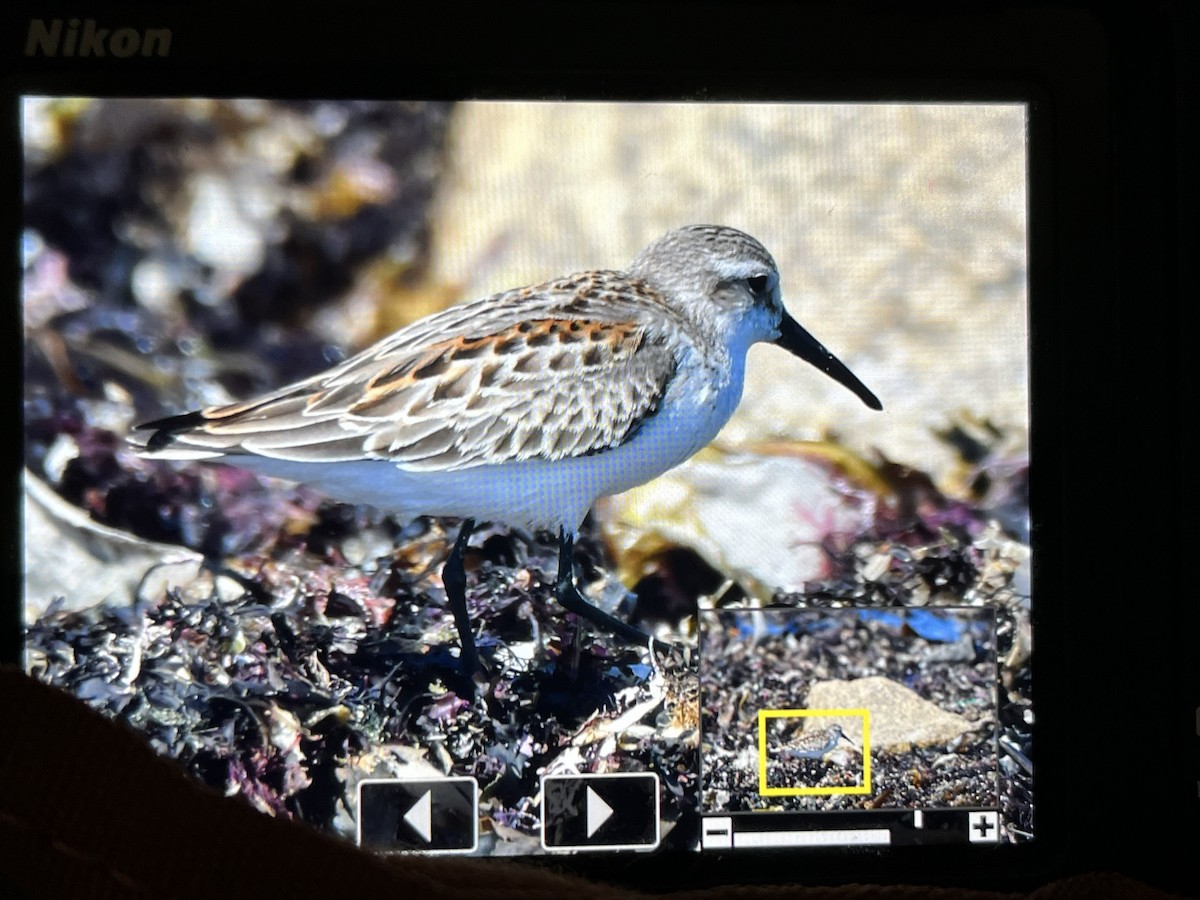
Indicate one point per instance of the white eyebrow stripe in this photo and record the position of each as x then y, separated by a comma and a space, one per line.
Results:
738, 269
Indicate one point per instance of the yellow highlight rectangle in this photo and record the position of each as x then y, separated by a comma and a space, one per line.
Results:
765, 714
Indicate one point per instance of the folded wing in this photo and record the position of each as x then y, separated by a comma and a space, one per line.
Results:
500, 388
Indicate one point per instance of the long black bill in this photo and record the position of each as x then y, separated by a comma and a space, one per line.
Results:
794, 339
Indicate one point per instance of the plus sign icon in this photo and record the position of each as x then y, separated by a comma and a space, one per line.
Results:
983, 827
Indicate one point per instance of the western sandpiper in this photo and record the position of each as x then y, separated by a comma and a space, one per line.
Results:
814, 744
524, 407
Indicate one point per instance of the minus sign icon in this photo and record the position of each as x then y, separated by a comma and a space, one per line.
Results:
715, 832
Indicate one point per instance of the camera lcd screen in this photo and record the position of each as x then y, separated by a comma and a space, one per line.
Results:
531, 478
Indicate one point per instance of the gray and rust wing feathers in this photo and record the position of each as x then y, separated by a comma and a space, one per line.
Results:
564, 369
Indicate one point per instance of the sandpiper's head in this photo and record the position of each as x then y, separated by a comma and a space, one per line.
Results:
713, 271
718, 273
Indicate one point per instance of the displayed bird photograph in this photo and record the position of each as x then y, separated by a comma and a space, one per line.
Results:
913, 689
371, 440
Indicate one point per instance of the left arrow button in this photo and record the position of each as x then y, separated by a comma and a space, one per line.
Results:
420, 817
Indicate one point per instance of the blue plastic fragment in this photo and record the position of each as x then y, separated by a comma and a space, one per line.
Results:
895, 620
935, 626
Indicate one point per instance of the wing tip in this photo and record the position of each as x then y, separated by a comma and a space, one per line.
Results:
168, 429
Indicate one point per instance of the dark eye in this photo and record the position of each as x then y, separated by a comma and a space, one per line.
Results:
758, 284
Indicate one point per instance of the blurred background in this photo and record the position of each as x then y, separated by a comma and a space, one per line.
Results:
900, 230
180, 253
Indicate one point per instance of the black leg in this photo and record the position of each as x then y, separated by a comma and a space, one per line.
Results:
569, 596
454, 577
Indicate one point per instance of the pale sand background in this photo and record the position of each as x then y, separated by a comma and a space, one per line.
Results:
900, 232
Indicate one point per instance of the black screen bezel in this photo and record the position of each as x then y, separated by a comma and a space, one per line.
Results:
1055, 61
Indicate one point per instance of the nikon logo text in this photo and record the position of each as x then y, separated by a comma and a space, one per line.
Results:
75, 37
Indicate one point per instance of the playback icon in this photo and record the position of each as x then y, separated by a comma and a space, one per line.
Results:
600, 812
434, 815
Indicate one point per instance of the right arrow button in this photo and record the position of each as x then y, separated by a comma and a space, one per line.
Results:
600, 812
